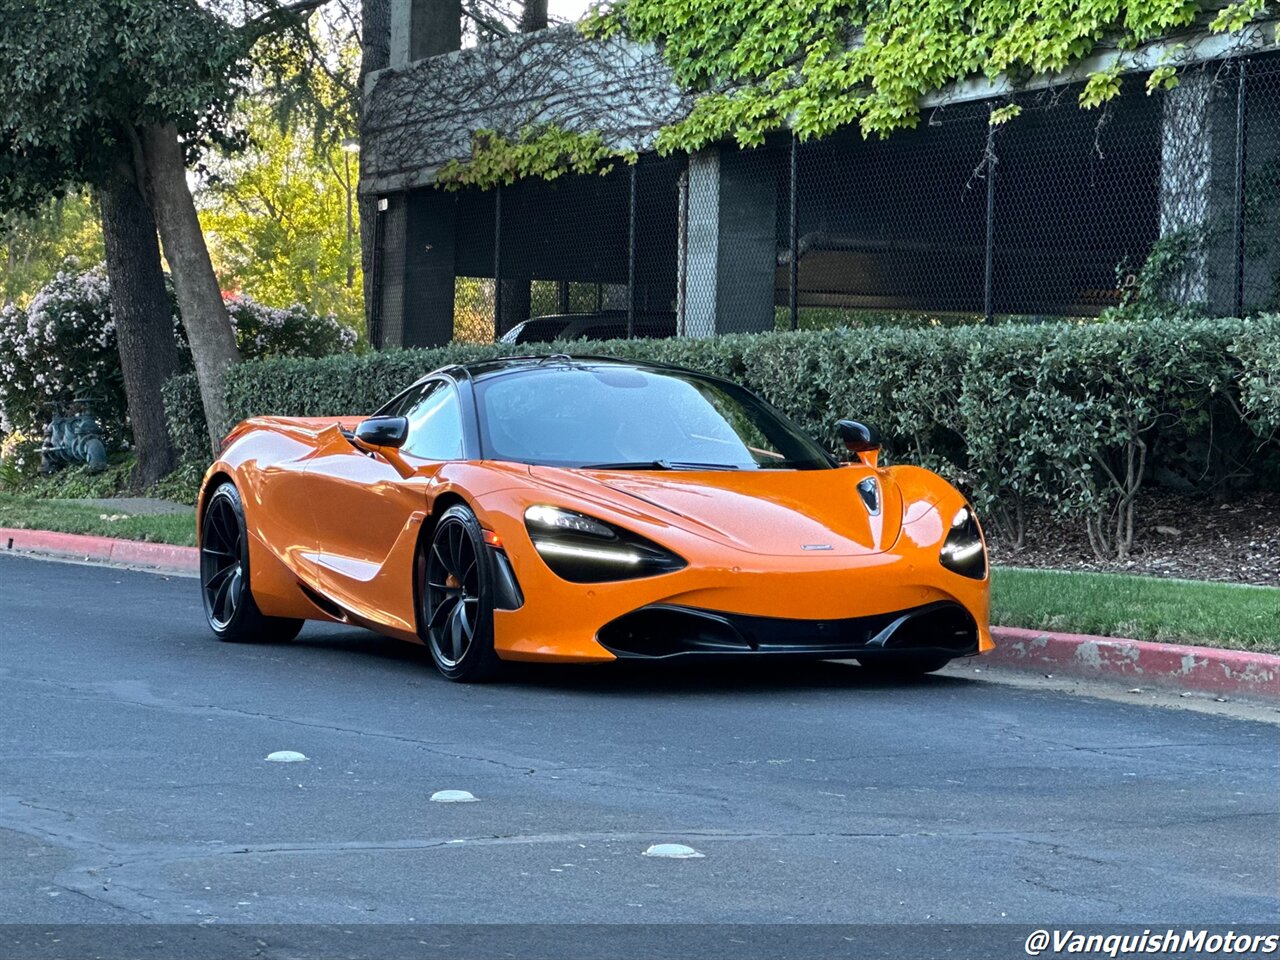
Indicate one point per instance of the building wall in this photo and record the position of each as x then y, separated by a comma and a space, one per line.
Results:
419, 117
1053, 214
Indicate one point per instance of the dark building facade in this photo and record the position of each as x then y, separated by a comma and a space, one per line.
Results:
1060, 212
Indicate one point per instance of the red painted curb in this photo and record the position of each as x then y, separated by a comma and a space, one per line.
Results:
138, 553
1166, 665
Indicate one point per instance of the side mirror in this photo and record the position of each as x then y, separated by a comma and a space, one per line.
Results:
860, 440
382, 432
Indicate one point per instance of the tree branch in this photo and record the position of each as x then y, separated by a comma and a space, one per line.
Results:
271, 20
495, 27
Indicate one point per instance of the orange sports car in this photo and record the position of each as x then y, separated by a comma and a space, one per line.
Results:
581, 509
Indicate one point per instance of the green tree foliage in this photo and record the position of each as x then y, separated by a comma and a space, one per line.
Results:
309, 78
80, 78
124, 94
282, 222
33, 246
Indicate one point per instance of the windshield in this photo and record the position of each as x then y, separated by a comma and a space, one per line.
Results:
624, 418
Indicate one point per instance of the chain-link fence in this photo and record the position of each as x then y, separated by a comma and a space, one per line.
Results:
1166, 198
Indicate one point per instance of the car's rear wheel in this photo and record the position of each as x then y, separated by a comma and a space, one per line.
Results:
456, 598
229, 606
903, 666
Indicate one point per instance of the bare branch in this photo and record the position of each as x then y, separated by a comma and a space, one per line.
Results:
276, 18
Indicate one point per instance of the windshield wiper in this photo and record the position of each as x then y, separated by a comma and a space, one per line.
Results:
658, 465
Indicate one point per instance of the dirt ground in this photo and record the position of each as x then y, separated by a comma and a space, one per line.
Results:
1178, 536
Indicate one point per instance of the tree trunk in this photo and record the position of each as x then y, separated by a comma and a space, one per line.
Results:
533, 16
144, 327
204, 315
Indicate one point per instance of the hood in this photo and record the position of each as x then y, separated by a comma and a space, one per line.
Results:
769, 512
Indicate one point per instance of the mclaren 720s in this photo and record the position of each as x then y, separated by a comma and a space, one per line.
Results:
584, 510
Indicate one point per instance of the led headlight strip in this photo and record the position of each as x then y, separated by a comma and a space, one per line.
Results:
583, 549
585, 553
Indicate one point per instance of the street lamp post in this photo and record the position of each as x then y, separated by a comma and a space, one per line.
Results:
350, 147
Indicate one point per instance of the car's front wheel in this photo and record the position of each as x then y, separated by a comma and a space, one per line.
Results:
229, 606
456, 598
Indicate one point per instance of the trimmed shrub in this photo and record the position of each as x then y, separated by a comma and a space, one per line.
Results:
1005, 441
1258, 347
184, 411
1076, 417
1106, 398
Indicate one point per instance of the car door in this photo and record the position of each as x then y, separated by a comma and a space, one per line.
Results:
368, 511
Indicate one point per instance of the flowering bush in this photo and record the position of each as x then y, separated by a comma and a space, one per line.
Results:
64, 344
292, 331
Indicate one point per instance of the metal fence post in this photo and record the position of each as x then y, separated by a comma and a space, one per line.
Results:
379, 253
793, 265
1238, 232
631, 255
682, 249
497, 262
990, 159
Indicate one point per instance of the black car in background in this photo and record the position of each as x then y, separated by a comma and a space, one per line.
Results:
603, 325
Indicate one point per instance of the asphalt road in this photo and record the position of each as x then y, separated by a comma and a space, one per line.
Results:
134, 789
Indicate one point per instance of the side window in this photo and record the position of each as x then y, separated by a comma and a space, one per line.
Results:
435, 425
402, 404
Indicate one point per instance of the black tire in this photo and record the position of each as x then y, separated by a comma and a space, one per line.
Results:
903, 666
229, 607
455, 598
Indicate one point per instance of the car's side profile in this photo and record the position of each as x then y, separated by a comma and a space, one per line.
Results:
585, 510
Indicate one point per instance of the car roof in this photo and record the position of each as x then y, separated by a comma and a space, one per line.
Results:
481, 369
476, 370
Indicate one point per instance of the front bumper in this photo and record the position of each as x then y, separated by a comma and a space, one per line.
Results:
663, 631
726, 601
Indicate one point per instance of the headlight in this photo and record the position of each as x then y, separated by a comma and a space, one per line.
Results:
963, 552
583, 549
553, 518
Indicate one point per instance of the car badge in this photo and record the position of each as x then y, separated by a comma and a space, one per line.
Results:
817, 546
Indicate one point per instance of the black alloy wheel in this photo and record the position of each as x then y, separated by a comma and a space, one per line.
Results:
456, 598
229, 606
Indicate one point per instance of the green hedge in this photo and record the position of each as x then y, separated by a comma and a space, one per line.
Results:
184, 411
1258, 349
1076, 416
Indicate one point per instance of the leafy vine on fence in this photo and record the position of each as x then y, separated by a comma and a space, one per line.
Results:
756, 66
546, 150
817, 67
